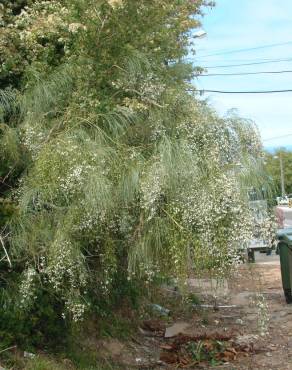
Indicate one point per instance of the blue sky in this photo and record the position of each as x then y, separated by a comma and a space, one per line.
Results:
239, 24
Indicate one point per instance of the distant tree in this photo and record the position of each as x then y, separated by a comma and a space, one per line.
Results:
273, 169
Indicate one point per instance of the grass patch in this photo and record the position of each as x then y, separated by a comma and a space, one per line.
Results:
80, 360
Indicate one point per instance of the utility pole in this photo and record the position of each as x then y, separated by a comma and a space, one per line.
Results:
282, 173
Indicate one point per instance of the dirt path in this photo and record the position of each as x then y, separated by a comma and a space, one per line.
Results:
240, 319
275, 350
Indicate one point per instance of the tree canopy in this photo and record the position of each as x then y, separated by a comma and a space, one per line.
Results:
273, 169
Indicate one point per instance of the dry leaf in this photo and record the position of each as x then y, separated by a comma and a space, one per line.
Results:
167, 347
169, 357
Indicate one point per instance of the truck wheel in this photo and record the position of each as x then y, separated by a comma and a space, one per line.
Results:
288, 296
250, 256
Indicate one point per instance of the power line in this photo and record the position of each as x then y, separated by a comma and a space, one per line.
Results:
277, 137
192, 59
241, 92
224, 52
243, 73
249, 64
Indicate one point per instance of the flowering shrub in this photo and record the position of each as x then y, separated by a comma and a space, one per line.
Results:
263, 317
35, 33
127, 176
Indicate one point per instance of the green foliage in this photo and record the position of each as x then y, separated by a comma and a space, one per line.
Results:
7, 210
122, 175
209, 351
44, 364
273, 169
81, 361
37, 328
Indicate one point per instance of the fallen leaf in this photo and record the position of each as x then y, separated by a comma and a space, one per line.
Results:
153, 325
169, 357
167, 347
209, 346
184, 361
231, 349
227, 356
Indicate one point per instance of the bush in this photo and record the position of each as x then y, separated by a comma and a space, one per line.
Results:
125, 176
41, 327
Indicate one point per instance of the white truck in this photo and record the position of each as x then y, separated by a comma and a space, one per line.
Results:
259, 210
284, 216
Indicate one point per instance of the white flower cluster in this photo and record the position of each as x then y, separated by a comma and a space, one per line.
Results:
158, 130
42, 25
27, 288
151, 189
67, 275
263, 316
74, 181
150, 86
115, 3
265, 229
75, 27
90, 221
212, 139
70, 168
76, 309
145, 90
49, 16
2, 12
65, 268
108, 267
32, 138
219, 218
149, 270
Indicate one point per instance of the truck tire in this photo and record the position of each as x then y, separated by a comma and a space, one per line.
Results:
288, 296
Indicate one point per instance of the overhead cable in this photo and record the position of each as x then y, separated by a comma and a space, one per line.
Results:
243, 73
234, 51
276, 137
249, 60
249, 64
240, 92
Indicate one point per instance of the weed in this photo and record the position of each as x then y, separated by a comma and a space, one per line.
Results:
207, 351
